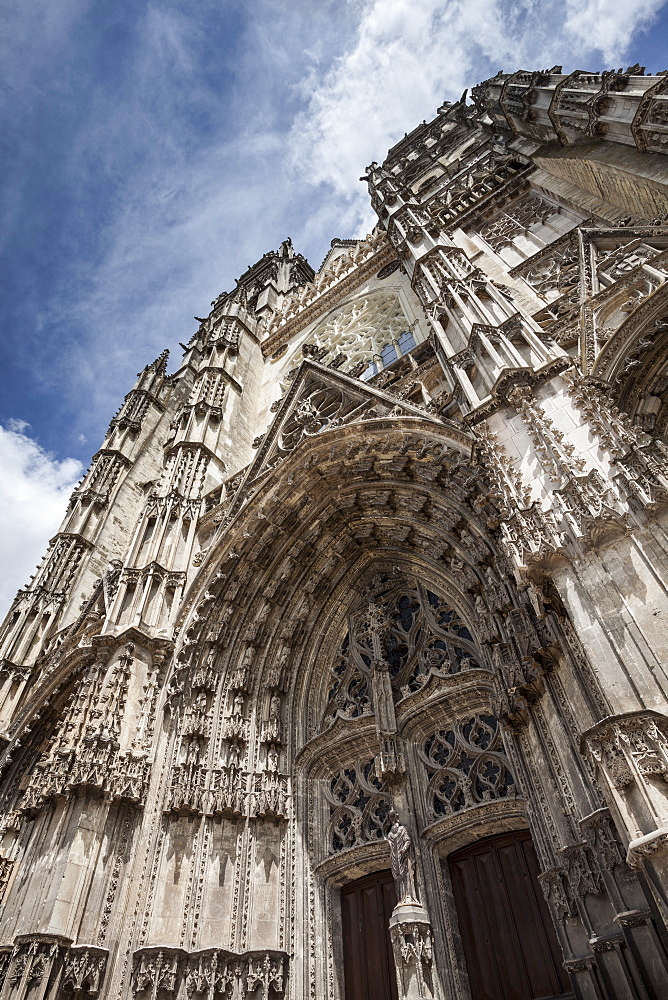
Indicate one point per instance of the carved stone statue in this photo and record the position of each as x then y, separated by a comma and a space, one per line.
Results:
401, 859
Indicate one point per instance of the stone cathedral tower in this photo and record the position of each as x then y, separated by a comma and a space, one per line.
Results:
346, 675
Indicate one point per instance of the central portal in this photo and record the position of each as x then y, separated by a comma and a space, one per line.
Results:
368, 965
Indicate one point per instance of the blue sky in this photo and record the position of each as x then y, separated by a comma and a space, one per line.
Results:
152, 150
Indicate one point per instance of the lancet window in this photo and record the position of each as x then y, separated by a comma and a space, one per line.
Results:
466, 765
409, 628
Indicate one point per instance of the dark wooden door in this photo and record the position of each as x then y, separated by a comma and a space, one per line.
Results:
368, 965
509, 940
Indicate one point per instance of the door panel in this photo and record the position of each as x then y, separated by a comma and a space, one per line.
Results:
368, 965
509, 941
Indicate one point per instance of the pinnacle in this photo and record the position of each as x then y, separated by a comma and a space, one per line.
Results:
159, 365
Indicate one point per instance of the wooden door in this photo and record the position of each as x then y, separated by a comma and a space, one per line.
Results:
368, 965
509, 940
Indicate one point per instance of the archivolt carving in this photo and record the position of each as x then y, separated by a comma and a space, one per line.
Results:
467, 765
634, 362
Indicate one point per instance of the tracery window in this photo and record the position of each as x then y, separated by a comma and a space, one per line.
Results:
368, 332
406, 341
417, 634
466, 765
388, 354
359, 806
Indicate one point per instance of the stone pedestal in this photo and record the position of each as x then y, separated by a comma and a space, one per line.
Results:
410, 931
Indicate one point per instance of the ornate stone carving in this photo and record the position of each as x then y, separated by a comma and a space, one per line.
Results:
212, 973
32, 961
556, 453
156, 970
359, 806
599, 834
86, 749
558, 894
646, 848
517, 219
581, 870
631, 747
413, 953
467, 766
491, 171
6, 867
83, 970
269, 795
422, 636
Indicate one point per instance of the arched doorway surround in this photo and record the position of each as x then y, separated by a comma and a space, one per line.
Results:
288, 567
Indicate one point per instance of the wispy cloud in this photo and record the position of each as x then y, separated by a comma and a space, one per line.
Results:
34, 488
607, 26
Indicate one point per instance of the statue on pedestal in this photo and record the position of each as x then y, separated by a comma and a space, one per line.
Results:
401, 858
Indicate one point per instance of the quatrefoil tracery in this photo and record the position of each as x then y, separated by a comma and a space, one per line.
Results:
466, 766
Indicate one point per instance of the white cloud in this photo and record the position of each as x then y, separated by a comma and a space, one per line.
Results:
34, 489
608, 24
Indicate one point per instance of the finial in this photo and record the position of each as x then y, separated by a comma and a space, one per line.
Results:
159, 365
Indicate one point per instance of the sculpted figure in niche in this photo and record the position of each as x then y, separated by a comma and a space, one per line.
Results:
275, 707
233, 754
272, 758
480, 606
401, 859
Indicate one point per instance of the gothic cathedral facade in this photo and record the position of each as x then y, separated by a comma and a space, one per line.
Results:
346, 675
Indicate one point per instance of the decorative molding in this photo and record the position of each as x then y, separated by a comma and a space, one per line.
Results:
508, 380
162, 971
